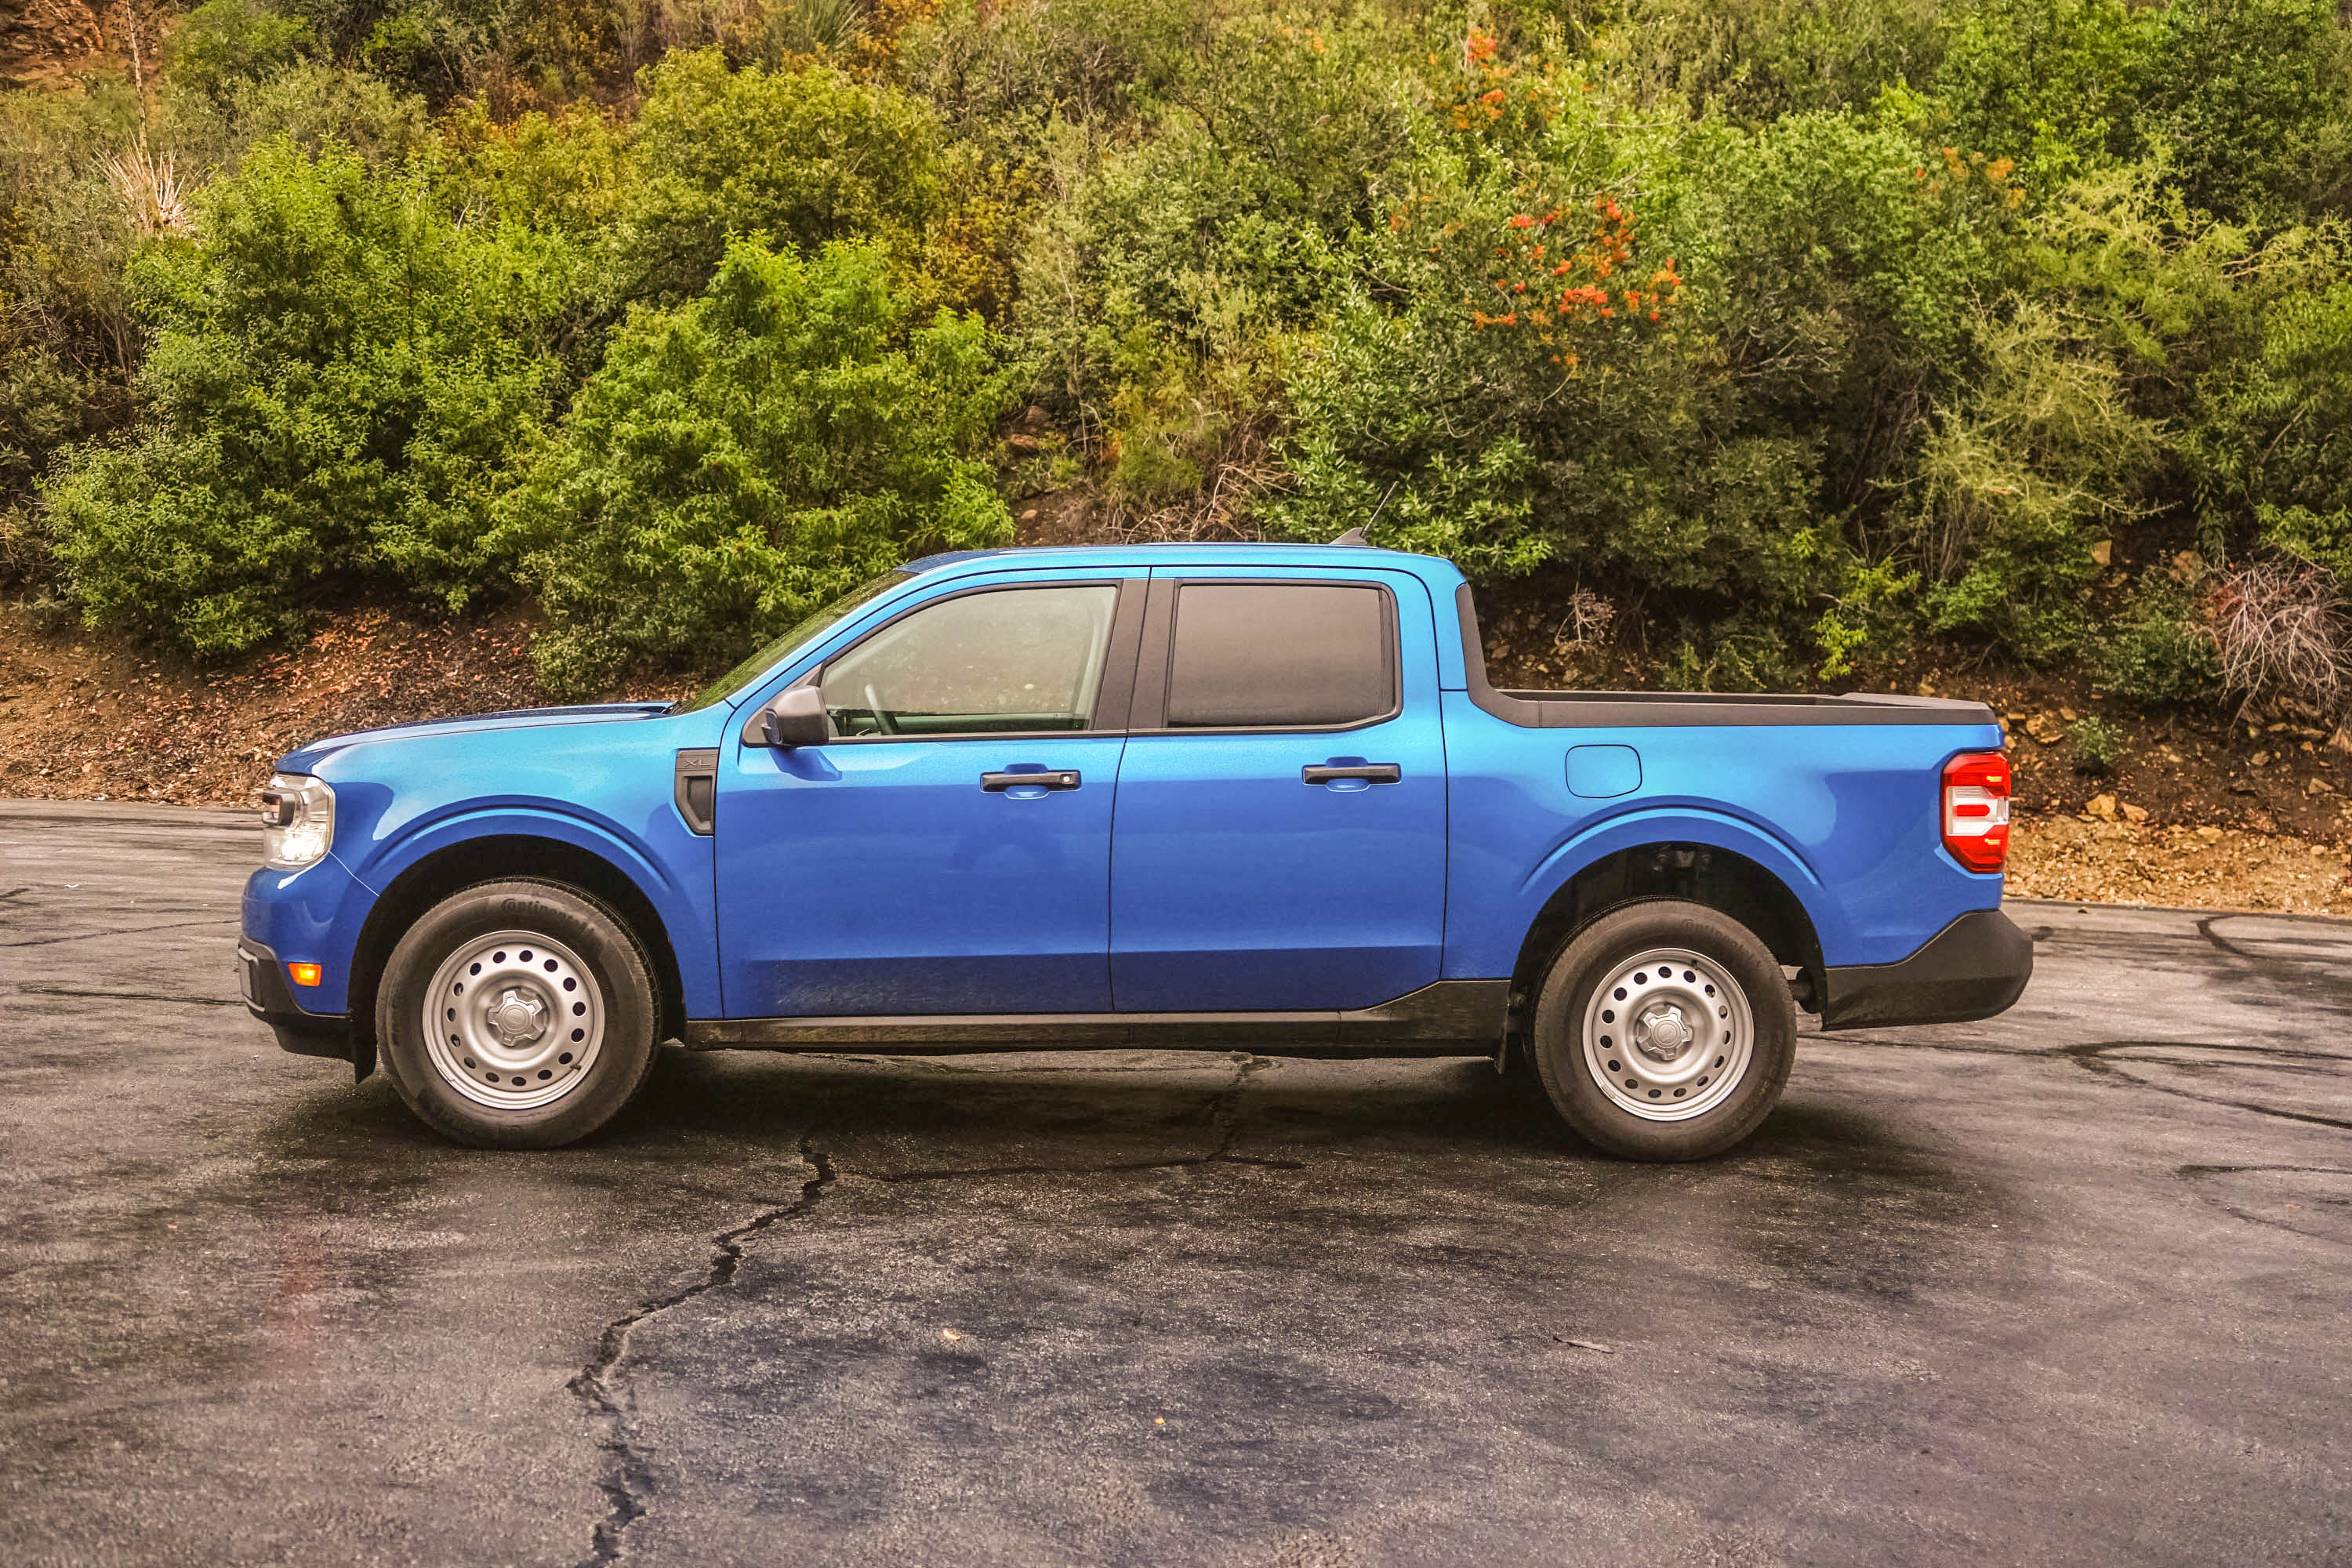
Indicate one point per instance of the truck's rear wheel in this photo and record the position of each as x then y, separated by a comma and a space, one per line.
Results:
1664, 1031
518, 1015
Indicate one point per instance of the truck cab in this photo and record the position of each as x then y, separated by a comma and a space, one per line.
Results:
1255, 796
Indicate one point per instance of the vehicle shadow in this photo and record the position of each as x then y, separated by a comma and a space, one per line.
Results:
1092, 1105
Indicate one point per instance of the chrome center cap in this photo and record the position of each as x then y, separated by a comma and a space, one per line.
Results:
1661, 1034
517, 1018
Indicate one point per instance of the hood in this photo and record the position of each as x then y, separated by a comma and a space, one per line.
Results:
307, 757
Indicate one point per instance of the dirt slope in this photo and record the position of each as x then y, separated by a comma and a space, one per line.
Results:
83, 717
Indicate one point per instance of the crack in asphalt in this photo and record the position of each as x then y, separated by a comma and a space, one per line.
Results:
598, 1387
2092, 1057
2193, 1173
1225, 1119
1117, 1168
130, 931
127, 996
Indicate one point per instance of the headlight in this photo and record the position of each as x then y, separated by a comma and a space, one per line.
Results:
297, 821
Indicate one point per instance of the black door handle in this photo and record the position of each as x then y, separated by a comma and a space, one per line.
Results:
1058, 778
1370, 773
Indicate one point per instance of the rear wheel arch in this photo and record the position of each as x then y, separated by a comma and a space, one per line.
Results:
500, 857
1722, 879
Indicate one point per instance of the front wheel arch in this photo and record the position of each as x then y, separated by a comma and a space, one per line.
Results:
499, 857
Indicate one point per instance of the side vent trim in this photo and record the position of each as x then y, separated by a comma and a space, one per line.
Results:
697, 789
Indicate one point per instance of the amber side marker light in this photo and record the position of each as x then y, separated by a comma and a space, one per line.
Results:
1976, 809
303, 974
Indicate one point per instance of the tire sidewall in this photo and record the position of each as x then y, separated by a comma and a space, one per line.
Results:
617, 964
1594, 953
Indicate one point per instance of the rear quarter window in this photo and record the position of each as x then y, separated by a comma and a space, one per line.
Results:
1281, 654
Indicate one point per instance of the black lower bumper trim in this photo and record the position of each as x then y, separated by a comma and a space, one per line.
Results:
1973, 968
261, 981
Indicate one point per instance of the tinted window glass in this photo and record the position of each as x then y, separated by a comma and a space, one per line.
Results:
1015, 660
1259, 653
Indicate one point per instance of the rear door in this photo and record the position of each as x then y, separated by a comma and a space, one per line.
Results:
1279, 837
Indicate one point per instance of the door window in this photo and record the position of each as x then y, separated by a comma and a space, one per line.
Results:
1281, 656
1008, 661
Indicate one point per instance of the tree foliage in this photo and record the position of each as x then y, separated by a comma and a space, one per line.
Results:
1784, 335
743, 459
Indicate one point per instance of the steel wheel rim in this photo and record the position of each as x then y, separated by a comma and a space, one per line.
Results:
513, 1020
1634, 1018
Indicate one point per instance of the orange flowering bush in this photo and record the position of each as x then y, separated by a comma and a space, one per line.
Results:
1550, 277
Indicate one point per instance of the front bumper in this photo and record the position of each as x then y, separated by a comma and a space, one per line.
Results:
1973, 968
261, 981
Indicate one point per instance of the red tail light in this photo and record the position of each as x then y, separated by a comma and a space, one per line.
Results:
1976, 809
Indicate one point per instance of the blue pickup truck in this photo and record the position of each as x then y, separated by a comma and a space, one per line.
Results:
1256, 797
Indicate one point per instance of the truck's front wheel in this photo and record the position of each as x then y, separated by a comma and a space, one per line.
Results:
518, 1015
1665, 1031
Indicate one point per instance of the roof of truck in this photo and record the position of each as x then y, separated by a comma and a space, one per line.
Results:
1180, 555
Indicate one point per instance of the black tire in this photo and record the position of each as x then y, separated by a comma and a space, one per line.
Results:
609, 980
1690, 994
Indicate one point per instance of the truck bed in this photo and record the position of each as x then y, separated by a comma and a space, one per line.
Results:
1620, 710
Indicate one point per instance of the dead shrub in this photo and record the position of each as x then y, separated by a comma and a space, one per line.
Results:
2279, 626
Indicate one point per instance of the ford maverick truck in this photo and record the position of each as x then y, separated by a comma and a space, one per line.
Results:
1252, 796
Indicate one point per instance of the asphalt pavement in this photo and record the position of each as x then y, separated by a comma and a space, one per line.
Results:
2071, 1285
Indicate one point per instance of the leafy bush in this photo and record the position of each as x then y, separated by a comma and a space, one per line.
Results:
743, 459
2017, 491
1695, 444
341, 380
1160, 296
2275, 446
2098, 745
226, 47
2161, 652
804, 156
2250, 99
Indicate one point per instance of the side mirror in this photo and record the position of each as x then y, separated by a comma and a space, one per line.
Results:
796, 717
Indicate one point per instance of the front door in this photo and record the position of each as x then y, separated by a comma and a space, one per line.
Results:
1280, 842
912, 866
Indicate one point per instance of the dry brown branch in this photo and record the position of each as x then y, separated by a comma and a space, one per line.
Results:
150, 189
2280, 629
1585, 624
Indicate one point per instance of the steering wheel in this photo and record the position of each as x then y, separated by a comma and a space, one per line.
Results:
882, 721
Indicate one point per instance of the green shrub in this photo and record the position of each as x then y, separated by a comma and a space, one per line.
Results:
2159, 652
224, 46
743, 459
803, 155
2252, 98
2098, 745
1703, 447
2273, 446
1010, 75
2017, 488
341, 381
2054, 85
1162, 295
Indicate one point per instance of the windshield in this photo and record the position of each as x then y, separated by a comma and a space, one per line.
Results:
768, 658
